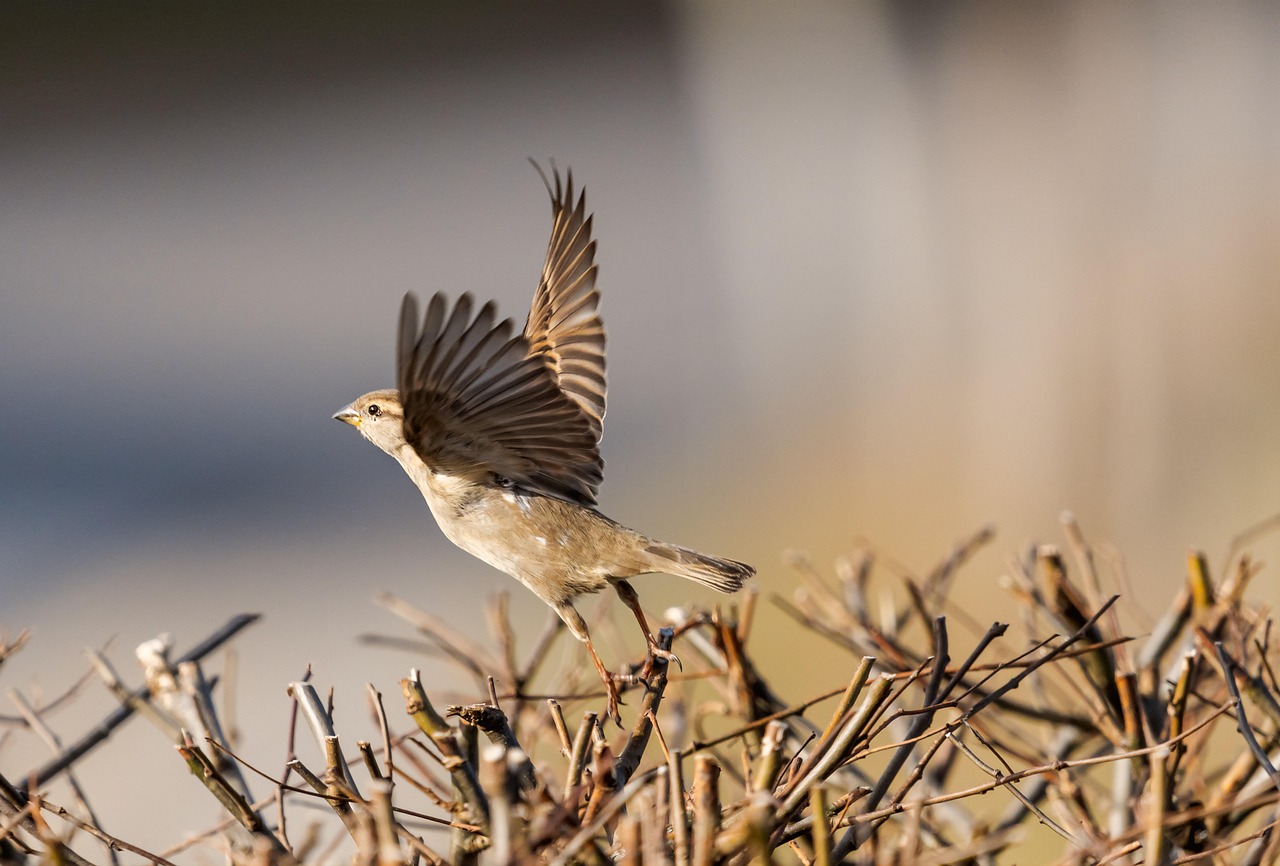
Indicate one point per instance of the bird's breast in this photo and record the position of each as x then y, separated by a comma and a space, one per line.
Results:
550, 546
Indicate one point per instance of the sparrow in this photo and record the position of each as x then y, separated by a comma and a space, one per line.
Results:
500, 431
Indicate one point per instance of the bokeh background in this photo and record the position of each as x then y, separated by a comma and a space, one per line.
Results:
881, 271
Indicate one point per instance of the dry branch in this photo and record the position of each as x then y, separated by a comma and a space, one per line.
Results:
1161, 751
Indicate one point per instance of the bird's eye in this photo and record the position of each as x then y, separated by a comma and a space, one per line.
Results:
374, 410
502, 481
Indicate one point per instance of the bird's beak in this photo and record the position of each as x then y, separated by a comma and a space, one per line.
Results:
347, 415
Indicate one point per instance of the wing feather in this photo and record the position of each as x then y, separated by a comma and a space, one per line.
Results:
565, 311
477, 400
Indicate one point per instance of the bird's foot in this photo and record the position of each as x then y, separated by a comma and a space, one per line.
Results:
614, 696
653, 652
666, 655
610, 682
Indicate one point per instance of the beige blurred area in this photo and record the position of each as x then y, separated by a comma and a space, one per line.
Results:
873, 273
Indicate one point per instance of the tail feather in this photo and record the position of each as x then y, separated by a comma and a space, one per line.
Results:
724, 575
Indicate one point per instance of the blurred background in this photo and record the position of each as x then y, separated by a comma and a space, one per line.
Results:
871, 272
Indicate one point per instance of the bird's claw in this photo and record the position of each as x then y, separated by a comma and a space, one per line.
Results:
640, 675
652, 654
614, 698
666, 655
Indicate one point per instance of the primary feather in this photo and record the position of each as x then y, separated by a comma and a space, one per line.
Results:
564, 328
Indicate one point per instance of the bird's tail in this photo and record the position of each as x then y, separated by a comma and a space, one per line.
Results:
725, 575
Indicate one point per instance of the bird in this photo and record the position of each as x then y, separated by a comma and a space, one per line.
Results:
500, 431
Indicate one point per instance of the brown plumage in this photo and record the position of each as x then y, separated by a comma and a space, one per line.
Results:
500, 431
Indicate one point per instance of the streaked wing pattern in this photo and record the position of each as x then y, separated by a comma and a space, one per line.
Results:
564, 327
478, 401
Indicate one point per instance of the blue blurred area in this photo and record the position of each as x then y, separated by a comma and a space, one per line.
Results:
209, 217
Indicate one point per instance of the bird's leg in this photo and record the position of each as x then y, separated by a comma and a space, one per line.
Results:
578, 626
610, 685
628, 595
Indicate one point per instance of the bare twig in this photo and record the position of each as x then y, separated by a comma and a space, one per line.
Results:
104, 728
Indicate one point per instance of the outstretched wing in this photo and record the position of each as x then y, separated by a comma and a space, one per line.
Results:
564, 328
477, 402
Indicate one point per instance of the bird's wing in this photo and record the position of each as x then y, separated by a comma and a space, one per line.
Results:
564, 328
477, 401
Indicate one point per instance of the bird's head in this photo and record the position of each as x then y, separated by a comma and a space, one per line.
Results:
379, 417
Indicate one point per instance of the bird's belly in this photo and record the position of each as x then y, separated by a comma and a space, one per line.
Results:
516, 535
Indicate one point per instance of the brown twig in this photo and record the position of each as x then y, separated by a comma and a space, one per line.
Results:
116, 718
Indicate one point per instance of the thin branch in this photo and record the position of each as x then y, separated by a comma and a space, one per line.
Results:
104, 728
